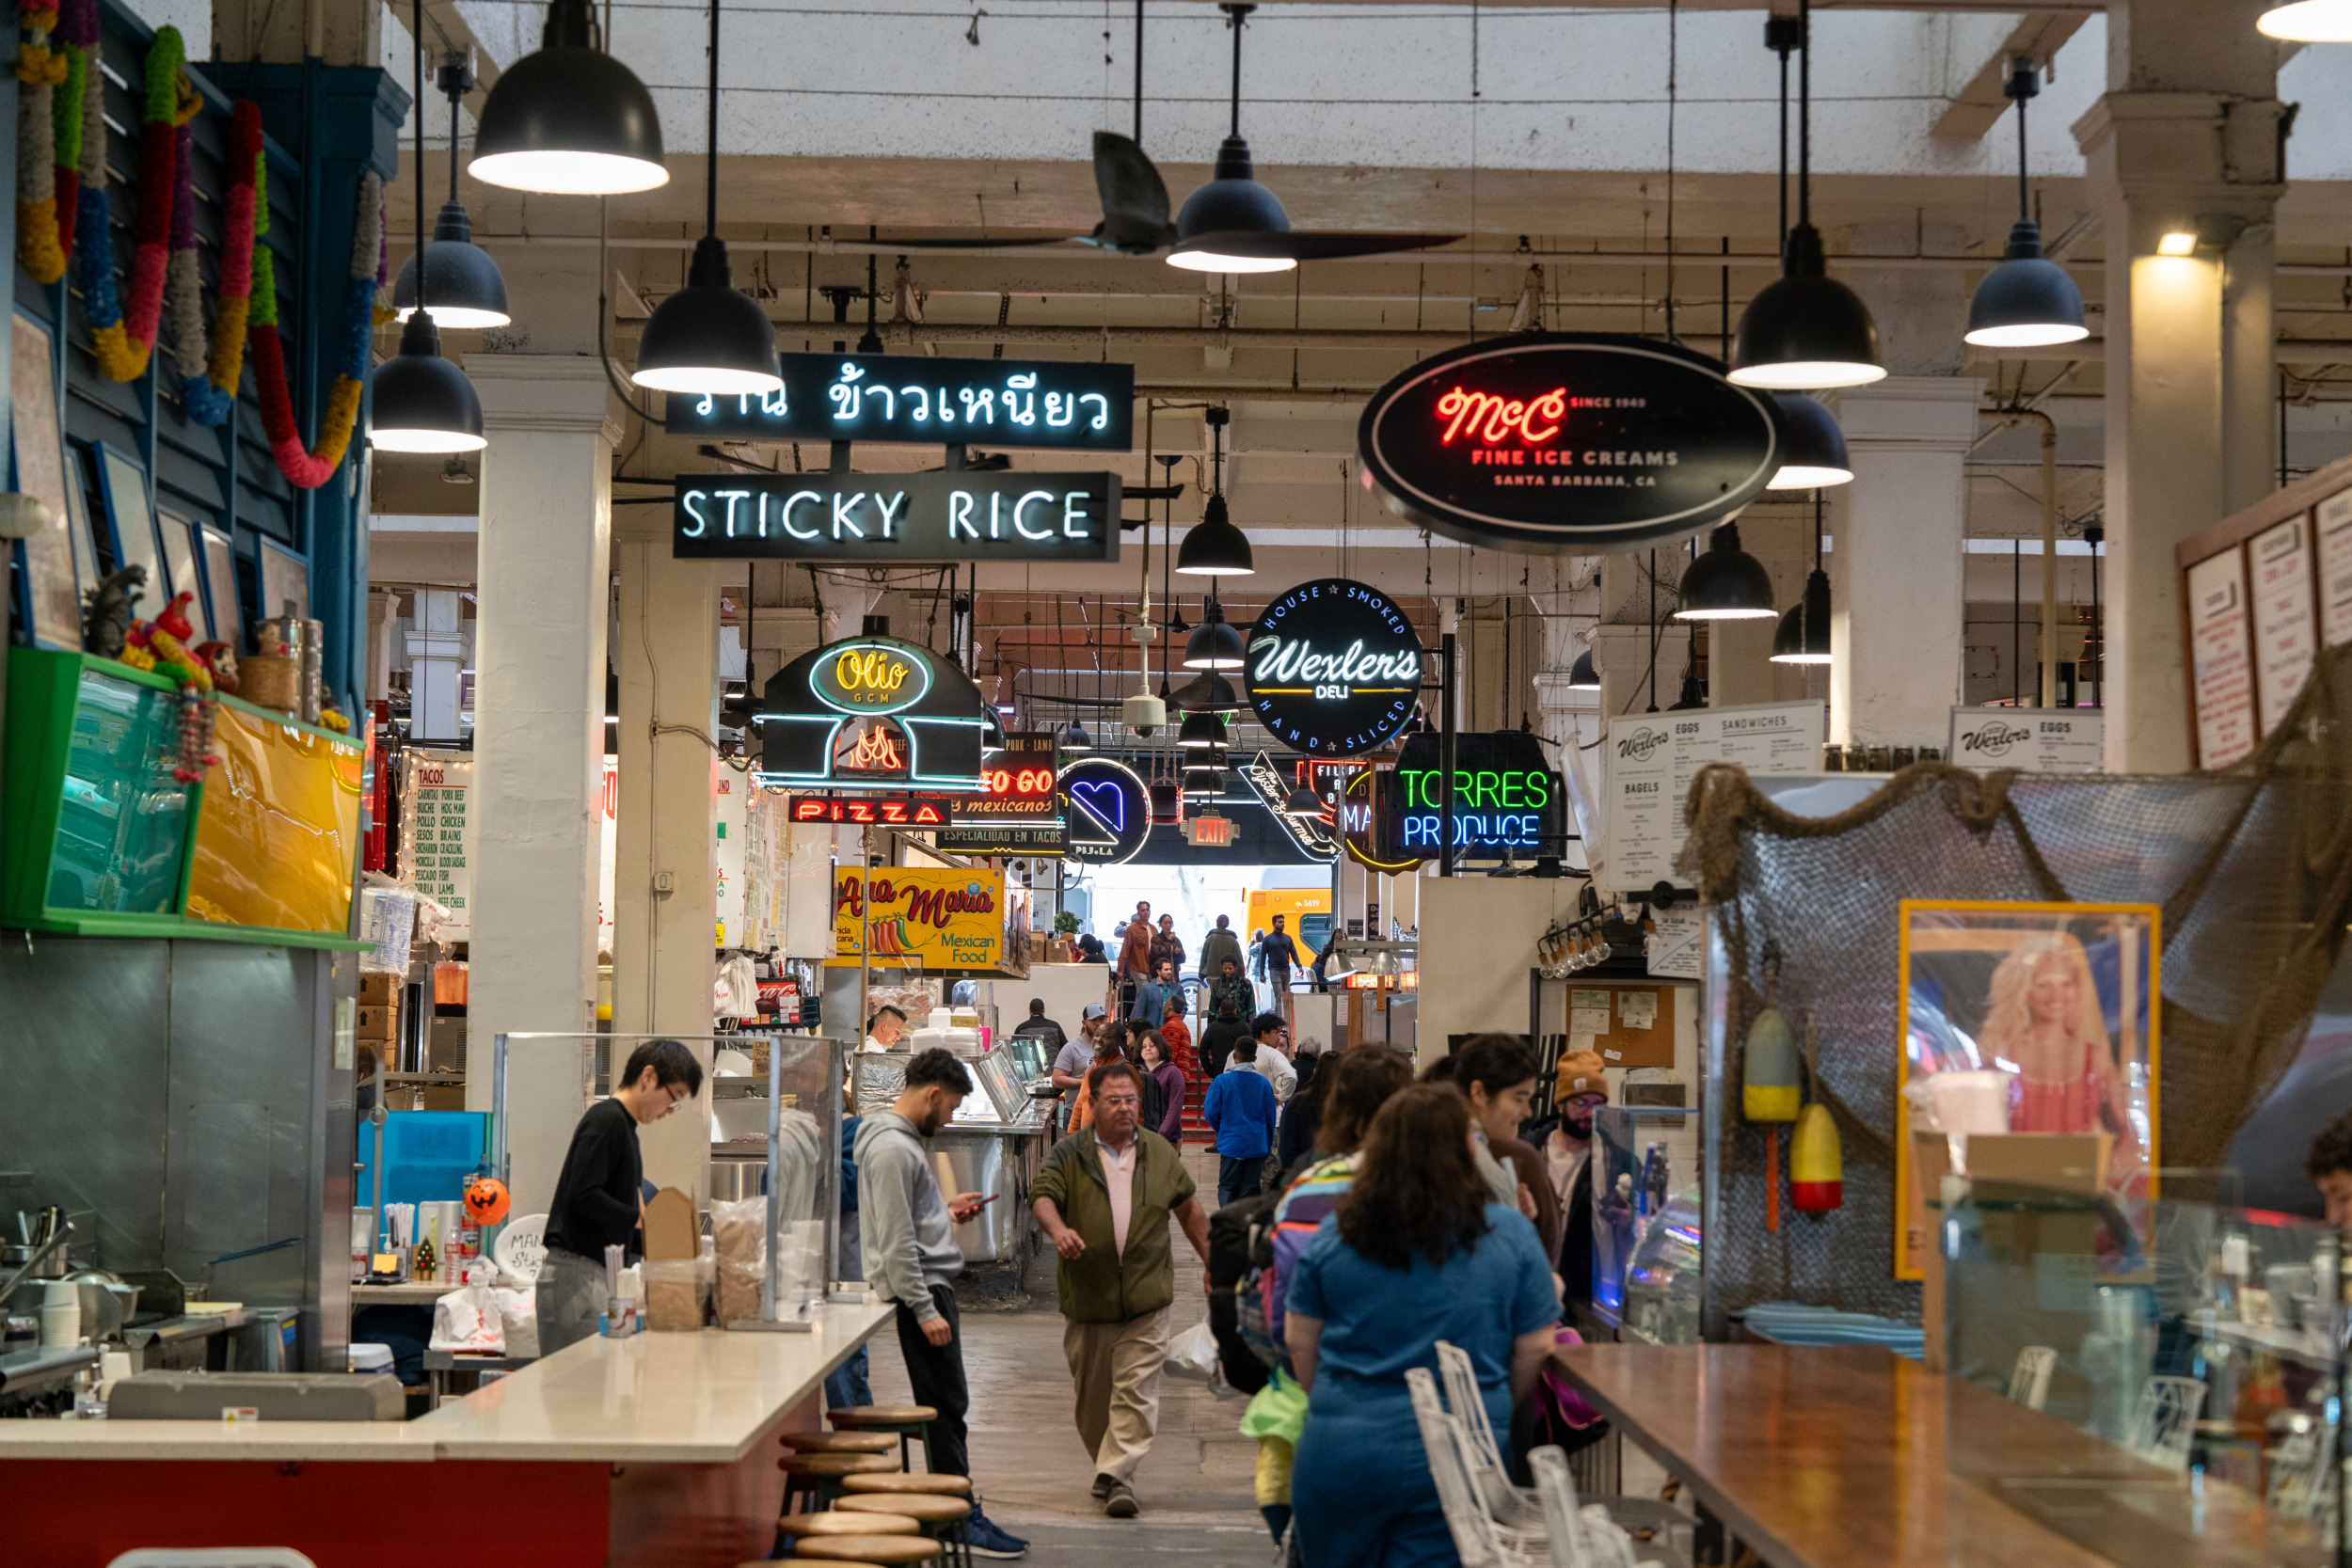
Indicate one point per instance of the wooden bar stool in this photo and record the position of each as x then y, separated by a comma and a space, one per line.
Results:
899, 1485
801, 1526
818, 1477
907, 1420
941, 1518
838, 1442
876, 1551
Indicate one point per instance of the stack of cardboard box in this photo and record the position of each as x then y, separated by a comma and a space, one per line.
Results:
379, 1015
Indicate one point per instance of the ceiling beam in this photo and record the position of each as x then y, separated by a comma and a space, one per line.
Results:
1979, 107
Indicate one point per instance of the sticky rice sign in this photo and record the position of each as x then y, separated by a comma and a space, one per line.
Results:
935, 916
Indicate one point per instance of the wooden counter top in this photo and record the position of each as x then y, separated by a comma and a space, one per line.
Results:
1836, 1458
679, 1399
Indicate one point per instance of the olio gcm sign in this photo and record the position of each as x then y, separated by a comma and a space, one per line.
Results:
1560, 442
1334, 668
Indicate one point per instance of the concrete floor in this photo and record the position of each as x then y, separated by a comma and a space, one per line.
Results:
1195, 1485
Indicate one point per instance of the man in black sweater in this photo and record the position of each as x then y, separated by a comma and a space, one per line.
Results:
596, 1201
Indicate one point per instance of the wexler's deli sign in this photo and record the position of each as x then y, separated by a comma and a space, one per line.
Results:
1561, 442
953, 515
1334, 668
941, 916
1072, 406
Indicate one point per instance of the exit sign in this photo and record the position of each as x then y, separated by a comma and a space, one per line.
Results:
1214, 832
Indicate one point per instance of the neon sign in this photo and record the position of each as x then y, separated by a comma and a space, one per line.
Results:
1506, 796
1334, 668
892, 811
870, 710
873, 748
1072, 404
953, 515
1110, 811
1568, 442
868, 677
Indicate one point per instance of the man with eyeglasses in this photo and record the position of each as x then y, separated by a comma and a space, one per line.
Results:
596, 1201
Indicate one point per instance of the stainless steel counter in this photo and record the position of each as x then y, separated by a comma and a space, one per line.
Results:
1000, 1160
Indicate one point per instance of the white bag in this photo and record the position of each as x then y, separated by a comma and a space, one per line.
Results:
469, 1319
519, 1317
1193, 1355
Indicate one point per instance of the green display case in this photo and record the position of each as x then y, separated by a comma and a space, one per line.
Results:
96, 837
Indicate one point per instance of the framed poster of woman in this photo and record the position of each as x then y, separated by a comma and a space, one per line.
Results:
53, 584
2051, 1007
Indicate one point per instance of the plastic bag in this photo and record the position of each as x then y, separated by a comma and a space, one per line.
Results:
739, 1233
469, 1319
1193, 1355
519, 1318
674, 1297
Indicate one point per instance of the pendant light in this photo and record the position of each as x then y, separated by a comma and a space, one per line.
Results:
420, 402
1817, 447
569, 119
709, 335
468, 290
1303, 802
2027, 301
1233, 202
1214, 645
2309, 21
1806, 330
1582, 677
1075, 738
1204, 783
1201, 730
1214, 547
1724, 583
1207, 693
1804, 634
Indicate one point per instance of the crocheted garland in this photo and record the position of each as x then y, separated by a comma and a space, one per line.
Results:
210, 390
312, 468
39, 69
122, 340
77, 37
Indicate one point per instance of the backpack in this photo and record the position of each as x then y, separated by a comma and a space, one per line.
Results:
1275, 1246
1155, 1101
1233, 1233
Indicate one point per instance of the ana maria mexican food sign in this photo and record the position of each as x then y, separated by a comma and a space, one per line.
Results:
937, 916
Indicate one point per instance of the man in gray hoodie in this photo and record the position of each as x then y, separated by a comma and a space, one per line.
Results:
906, 1229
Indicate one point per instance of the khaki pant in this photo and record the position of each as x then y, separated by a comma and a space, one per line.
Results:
1116, 1370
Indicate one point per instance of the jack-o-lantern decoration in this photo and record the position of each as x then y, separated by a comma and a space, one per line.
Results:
486, 1200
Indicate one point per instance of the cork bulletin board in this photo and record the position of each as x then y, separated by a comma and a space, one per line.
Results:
1630, 1023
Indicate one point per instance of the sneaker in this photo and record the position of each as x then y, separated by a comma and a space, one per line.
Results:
985, 1539
1120, 1503
1102, 1485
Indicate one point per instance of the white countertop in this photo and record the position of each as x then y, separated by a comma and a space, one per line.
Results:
671, 1399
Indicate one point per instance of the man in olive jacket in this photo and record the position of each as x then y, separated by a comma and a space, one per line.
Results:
1104, 1197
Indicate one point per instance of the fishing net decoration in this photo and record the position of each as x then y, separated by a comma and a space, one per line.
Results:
2253, 866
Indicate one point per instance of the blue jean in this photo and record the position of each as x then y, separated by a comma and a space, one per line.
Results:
1239, 1176
1362, 1493
846, 1385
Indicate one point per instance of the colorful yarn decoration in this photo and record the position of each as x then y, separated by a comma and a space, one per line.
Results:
77, 38
311, 467
123, 339
247, 176
39, 69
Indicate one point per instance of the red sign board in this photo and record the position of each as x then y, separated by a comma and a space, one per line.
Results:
889, 810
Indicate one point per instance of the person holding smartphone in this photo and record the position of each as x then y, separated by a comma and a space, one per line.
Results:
907, 1228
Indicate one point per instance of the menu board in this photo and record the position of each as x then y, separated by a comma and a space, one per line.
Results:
2335, 568
1652, 757
2221, 660
435, 840
2285, 628
2030, 739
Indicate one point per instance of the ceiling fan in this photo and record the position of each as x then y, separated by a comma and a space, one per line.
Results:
1231, 224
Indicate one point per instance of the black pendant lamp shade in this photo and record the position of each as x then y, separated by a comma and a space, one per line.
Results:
1201, 783
1232, 204
1725, 583
466, 287
569, 119
1206, 692
709, 335
1214, 643
1817, 447
1076, 739
1694, 696
2027, 301
1214, 547
420, 402
1806, 330
1303, 802
1804, 634
1201, 730
1582, 677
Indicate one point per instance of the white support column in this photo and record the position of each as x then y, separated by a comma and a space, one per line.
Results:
436, 664
2185, 141
1896, 571
539, 739
383, 620
1740, 660
664, 886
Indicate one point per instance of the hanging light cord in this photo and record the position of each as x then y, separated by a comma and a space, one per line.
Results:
710, 156
1238, 12
1784, 148
416, 50
1804, 118
1673, 46
2021, 86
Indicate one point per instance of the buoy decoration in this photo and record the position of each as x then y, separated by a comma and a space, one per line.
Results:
1817, 1164
1771, 1087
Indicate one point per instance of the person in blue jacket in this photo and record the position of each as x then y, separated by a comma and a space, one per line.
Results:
1240, 1110
1417, 1252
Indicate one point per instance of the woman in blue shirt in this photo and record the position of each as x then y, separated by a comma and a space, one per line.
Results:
1417, 1252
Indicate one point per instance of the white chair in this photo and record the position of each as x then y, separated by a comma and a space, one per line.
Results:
1556, 1489
2030, 1382
2165, 1425
1511, 1503
522, 1247
1478, 1537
